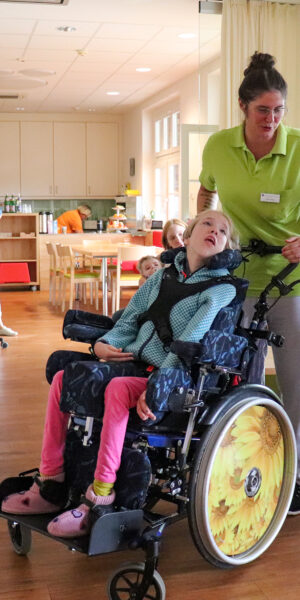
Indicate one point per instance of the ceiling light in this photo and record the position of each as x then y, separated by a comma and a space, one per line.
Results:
66, 28
37, 72
57, 2
143, 69
113, 93
20, 108
92, 110
81, 52
186, 36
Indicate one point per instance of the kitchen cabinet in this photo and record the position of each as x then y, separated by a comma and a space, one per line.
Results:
36, 159
69, 160
21, 246
102, 159
9, 158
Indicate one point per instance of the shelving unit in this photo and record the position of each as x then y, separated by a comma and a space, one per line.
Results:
18, 249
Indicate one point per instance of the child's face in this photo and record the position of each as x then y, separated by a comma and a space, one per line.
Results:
175, 236
209, 236
150, 266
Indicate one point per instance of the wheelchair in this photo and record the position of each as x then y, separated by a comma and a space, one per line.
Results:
222, 453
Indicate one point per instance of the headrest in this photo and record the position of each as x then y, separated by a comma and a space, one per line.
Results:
228, 259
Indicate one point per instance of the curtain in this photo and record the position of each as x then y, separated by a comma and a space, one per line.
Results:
265, 26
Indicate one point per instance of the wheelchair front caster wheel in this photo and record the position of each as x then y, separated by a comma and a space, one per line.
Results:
20, 537
3, 344
125, 583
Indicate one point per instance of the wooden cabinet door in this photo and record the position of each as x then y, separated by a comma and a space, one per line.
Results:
102, 159
69, 160
9, 158
36, 159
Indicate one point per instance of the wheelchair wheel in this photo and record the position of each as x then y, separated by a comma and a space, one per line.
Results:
124, 583
242, 480
20, 537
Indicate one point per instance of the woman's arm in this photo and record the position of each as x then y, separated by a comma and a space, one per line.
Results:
206, 199
291, 250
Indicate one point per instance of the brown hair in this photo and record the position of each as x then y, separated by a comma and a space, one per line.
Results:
233, 238
144, 258
166, 228
261, 77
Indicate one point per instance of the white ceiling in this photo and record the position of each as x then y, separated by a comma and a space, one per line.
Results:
113, 38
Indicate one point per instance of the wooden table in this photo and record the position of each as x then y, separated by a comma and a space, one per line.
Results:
104, 251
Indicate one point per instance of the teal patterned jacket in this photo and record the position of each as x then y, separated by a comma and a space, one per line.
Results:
190, 318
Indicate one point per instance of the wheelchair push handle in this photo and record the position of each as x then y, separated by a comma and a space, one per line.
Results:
261, 248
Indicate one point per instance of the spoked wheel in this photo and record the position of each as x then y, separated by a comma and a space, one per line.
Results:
125, 582
242, 480
20, 537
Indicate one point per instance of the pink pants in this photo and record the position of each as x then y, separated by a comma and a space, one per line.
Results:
121, 394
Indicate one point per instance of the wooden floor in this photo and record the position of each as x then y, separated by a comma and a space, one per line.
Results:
50, 571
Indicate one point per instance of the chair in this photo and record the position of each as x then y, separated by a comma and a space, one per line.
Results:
54, 271
128, 278
68, 272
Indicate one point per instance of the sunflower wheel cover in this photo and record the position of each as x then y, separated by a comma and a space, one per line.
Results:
245, 480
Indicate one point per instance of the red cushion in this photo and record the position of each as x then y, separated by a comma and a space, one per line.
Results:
156, 239
127, 265
14, 273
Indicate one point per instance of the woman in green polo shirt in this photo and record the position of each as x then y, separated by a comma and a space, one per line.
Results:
255, 169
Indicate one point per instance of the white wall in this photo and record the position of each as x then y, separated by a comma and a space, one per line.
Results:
190, 95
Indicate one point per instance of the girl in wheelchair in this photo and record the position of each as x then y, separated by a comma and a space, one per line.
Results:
133, 339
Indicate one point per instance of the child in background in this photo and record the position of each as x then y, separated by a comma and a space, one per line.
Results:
172, 235
148, 265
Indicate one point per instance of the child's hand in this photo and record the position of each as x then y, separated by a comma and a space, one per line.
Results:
110, 353
143, 409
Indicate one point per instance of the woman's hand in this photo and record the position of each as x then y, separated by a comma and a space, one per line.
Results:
143, 409
110, 353
292, 249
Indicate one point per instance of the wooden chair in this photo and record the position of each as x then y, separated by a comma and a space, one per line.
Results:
128, 278
75, 277
54, 271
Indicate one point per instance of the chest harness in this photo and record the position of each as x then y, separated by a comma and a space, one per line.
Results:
170, 293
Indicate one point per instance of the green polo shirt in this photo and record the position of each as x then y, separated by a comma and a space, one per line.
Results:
230, 168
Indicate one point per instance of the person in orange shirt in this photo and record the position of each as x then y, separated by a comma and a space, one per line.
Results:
72, 219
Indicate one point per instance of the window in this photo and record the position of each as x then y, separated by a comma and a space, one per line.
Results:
166, 166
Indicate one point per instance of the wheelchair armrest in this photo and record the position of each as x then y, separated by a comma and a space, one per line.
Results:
223, 349
83, 326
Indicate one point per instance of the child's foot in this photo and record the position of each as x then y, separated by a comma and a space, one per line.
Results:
76, 522
38, 499
7, 331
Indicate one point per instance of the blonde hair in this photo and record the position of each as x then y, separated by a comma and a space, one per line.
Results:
232, 238
84, 209
166, 229
144, 258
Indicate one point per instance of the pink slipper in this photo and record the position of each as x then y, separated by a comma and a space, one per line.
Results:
29, 502
76, 522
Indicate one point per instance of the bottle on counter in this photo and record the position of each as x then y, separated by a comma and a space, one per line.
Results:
99, 226
6, 204
55, 227
12, 204
49, 222
19, 204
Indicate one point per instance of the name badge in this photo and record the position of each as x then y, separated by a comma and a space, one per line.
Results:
275, 198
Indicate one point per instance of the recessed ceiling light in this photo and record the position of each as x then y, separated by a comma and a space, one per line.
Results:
113, 93
20, 108
186, 36
37, 72
66, 28
143, 69
92, 110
